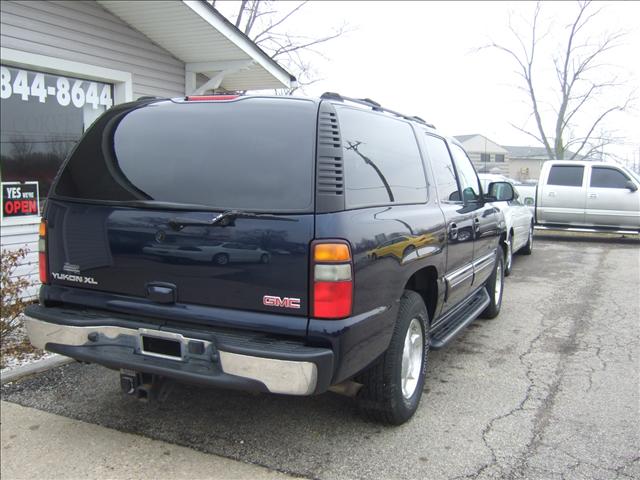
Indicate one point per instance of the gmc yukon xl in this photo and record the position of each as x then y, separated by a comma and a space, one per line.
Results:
273, 244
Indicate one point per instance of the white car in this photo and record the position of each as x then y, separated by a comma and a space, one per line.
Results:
519, 220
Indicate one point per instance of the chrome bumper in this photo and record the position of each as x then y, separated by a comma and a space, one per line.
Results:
278, 376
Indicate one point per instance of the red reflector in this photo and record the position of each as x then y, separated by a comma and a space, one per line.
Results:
204, 98
332, 299
43, 267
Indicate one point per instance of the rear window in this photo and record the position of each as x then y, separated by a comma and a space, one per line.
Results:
566, 175
253, 154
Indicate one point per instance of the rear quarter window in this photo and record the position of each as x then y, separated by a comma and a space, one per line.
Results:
382, 162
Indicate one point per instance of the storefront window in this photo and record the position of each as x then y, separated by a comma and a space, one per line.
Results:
42, 117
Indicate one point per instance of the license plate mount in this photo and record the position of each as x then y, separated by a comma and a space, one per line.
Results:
160, 344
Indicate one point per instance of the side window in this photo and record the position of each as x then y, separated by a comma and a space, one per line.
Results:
566, 175
445, 174
381, 160
467, 174
603, 177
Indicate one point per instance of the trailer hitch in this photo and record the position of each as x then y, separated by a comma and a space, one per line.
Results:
145, 386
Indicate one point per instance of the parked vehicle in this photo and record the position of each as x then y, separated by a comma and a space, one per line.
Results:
591, 195
518, 218
322, 186
217, 252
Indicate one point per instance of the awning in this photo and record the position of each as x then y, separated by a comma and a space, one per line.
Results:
195, 33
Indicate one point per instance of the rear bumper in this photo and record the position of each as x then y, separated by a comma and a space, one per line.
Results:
222, 359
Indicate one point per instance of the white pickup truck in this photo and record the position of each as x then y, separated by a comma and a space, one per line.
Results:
580, 195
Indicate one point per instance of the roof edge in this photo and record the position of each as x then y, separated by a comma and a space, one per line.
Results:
229, 30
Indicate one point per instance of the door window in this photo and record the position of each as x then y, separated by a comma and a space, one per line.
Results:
467, 175
566, 175
443, 170
603, 177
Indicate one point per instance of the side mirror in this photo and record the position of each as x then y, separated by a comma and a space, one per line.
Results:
500, 192
631, 186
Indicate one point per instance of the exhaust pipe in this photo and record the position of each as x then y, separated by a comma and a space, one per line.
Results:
348, 388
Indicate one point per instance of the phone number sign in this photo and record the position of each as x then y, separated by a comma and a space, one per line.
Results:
20, 199
44, 87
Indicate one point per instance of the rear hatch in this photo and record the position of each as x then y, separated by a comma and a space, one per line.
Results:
133, 210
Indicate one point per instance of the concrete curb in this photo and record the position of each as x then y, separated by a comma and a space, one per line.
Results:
33, 368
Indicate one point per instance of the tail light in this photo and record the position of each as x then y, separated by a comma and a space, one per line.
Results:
43, 265
332, 280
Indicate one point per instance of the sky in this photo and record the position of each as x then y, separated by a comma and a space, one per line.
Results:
424, 58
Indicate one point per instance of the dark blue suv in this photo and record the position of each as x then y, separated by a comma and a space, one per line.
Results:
273, 244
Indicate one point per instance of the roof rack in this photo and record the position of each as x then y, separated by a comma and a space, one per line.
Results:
375, 106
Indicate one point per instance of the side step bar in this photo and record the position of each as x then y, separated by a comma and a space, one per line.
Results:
447, 330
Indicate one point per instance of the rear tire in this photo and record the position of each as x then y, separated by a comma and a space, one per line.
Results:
508, 257
494, 288
528, 248
392, 386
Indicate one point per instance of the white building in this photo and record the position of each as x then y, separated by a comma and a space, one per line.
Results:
487, 156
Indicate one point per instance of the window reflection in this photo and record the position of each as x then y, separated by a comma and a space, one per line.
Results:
39, 125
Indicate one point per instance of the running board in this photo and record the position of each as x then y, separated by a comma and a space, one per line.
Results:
443, 333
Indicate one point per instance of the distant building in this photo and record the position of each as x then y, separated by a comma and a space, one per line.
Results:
525, 163
486, 155
519, 163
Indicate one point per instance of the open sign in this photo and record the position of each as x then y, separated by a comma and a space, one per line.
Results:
20, 199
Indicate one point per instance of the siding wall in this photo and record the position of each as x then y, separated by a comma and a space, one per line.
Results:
15, 237
82, 31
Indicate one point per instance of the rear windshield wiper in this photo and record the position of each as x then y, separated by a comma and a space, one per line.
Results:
224, 219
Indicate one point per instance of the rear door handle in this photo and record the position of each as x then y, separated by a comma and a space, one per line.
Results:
552, 194
593, 195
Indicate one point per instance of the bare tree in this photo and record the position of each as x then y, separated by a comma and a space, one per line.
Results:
266, 25
579, 69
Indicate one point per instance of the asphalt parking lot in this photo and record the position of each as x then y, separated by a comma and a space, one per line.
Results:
549, 389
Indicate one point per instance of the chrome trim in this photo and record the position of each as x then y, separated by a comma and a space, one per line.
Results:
279, 376
483, 262
456, 277
40, 333
587, 230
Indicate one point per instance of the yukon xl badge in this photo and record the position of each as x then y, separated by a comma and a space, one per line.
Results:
74, 278
286, 302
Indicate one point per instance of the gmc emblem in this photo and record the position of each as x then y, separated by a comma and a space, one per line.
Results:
286, 302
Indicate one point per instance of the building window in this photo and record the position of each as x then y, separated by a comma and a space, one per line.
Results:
485, 157
42, 116
499, 158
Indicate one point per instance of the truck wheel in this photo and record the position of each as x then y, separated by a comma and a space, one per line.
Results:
494, 288
393, 385
528, 248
